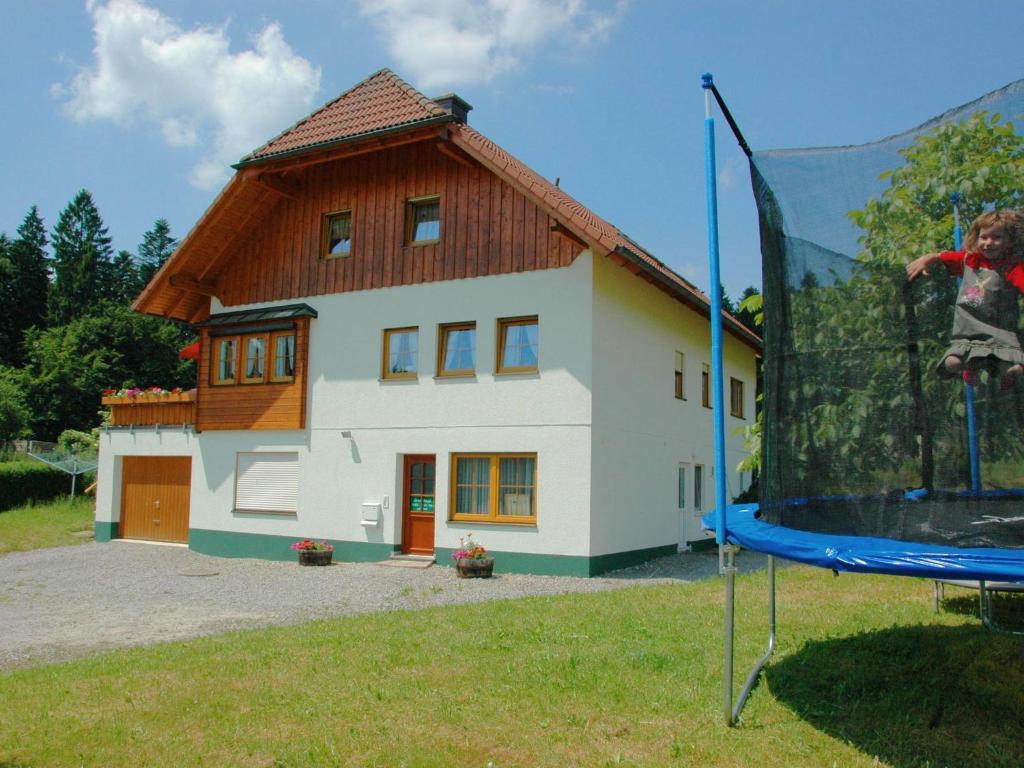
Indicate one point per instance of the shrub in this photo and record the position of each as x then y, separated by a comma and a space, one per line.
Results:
22, 481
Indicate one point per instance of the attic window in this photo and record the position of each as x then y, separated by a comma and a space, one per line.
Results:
423, 220
337, 234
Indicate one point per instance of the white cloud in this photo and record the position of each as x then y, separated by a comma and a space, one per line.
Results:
189, 84
452, 42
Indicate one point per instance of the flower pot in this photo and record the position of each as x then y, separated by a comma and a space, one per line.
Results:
475, 568
315, 557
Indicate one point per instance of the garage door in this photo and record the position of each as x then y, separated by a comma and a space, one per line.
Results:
155, 498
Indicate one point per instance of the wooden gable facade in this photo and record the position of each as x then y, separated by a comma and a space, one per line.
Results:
487, 227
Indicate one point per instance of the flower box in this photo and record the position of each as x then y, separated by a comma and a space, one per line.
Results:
315, 556
149, 398
474, 567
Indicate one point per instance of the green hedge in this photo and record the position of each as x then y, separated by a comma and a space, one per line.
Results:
21, 481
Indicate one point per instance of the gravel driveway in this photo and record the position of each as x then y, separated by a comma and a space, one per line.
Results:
62, 603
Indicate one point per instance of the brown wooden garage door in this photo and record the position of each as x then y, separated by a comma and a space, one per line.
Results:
155, 497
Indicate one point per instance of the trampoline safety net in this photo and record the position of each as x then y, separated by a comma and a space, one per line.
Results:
870, 428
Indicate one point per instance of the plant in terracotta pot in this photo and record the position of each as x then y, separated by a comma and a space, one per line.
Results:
471, 559
314, 552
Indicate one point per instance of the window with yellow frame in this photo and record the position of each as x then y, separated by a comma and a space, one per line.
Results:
456, 349
282, 350
225, 360
518, 345
401, 353
494, 487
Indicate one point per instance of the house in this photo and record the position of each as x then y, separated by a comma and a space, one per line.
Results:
407, 335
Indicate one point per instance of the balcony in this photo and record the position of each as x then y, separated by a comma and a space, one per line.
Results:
147, 409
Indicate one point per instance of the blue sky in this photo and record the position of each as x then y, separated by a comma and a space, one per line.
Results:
145, 102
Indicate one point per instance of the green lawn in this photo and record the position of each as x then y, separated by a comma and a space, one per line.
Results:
866, 675
47, 524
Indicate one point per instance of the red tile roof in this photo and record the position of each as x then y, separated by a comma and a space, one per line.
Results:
382, 102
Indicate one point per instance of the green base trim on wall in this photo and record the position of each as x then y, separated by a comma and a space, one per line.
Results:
105, 530
267, 547
564, 565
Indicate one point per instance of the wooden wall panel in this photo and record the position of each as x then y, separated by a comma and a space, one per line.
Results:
487, 228
253, 406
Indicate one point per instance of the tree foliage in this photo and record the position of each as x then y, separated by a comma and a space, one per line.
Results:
863, 406
63, 343
69, 366
155, 249
81, 260
14, 411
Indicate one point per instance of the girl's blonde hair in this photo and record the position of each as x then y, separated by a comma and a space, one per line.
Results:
1013, 230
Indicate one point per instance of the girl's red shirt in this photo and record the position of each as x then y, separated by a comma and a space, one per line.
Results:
1012, 268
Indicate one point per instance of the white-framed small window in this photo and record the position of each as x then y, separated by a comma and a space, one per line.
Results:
680, 390
682, 486
267, 482
698, 486
705, 386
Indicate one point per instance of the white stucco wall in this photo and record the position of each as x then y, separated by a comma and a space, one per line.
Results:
600, 415
641, 432
547, 413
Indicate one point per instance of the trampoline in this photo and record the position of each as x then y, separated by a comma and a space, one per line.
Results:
891, 433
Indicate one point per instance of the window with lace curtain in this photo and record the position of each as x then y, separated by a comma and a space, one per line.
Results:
401, 353
518, 345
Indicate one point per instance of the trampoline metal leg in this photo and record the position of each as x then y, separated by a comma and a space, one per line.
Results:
727, 566
755, 673
985, 606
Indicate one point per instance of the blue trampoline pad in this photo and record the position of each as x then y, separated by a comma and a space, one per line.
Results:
857, 554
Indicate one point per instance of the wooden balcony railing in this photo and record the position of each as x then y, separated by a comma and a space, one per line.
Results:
149, 409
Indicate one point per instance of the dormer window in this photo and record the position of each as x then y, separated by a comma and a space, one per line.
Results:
423, 220
337, 238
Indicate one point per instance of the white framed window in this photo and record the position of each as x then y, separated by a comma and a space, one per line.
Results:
698, 486
682, 486
267, 482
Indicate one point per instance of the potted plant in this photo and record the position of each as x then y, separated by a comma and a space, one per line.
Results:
313, 552
471, 560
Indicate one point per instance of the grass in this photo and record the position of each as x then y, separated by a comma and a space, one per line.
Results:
866, 674
47, 524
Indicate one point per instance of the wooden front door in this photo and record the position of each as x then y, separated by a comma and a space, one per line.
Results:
155, 494
418, 506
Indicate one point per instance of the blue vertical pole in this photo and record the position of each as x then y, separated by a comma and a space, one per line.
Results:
972, 425
721, 499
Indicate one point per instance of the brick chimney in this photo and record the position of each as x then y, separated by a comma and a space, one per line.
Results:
454, 106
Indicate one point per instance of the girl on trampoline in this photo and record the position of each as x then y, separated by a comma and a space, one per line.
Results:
985, 320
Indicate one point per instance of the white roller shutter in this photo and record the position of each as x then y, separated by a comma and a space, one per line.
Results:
267, 482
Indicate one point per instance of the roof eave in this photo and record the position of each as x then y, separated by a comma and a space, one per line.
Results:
332, 143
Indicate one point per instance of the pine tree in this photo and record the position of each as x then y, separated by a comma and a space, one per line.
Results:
31, 282
8, 305
81, 261
156, 247
125, 283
